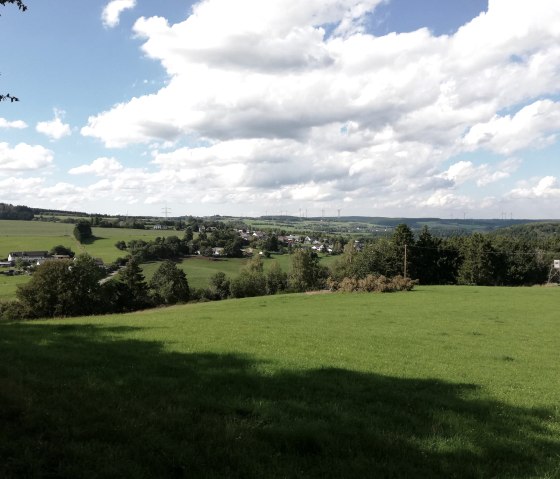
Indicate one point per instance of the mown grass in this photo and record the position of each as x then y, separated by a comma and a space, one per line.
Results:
199, 270
103, 245
9, 284
38, 236
440, 382
33, 236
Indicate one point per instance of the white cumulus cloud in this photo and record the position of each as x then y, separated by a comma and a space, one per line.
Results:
534, 125
112, 11
55, 129
24, 157
547, 187
17, 124
296, 102
100, 167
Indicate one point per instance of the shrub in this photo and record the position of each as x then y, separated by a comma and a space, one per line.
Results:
13, 311
372, 283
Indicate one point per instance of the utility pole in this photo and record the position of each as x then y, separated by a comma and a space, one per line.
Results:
405, 248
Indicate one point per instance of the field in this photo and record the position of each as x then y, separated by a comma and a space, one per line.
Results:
9, 284
199, 270
440, 382
39, 236
42, 236
36, 235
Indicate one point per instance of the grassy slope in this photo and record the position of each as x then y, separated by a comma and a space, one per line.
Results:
105, 239
199, 270
37, 235
440, 382
9, 284
33, 235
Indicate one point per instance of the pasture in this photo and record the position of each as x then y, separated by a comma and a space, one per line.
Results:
199, 270
38, 236
439, 382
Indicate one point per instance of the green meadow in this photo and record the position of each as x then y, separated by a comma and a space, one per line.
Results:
199, 270
38, 236
34, 236
9, 284
441, 382
42, 236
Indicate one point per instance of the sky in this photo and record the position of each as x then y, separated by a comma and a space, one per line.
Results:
403, 108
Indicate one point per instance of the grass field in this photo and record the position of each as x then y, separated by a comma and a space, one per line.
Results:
199, 270
34, 236
38, 236
441, 382
9, 284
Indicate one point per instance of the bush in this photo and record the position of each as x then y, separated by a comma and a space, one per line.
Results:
248, 284
169, 284
13, 311
82, 231
219, 286
372, 283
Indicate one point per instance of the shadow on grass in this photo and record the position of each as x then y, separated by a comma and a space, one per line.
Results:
84, 401
91, 240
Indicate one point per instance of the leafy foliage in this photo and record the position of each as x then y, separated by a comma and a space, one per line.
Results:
132, 289
372, 283
250, 282
63, 288
62, 250
21, 6
11, 212
82, 231
169, 284
306, 274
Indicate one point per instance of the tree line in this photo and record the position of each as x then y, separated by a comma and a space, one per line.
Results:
477, 259
79, 286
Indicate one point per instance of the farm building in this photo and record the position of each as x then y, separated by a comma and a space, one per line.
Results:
28, 255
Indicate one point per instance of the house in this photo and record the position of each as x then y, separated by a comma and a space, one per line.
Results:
31, 256
61, 256
218, 251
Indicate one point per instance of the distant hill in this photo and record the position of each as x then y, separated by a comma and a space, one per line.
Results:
535, 230
11, 212
342, 224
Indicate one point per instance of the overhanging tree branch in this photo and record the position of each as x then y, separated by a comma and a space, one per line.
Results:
18, 3
21, 6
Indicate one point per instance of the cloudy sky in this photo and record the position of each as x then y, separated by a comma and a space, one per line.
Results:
248, 107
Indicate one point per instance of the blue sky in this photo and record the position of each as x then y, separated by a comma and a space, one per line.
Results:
241, 107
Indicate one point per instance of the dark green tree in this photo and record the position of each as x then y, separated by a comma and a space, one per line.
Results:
82, 231
219, 286
426, 265
233, 248
276, 279
133, 292
64, 288
189, 234
61, 249
169, 284
306, 274
271, 243
403, 240
250, 281
480, 263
